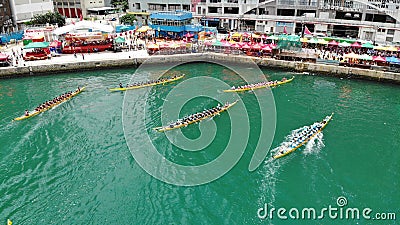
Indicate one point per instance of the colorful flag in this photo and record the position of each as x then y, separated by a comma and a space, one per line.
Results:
306, 30
80, 17
284, 30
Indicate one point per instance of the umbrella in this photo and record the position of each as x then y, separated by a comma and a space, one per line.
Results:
119, 40
378, 59
356, 45
333, 42
245, 34
367, 45
263, 36
392, 59
37, 45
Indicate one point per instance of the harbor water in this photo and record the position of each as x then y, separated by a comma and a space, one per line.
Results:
72, 164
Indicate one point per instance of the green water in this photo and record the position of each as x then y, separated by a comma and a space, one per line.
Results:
71, 164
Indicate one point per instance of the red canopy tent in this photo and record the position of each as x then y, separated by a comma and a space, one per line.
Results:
189, 35
378, 59
356, 45
246, 46
256, 47
235, 45
333, 42
267, 48
3, 57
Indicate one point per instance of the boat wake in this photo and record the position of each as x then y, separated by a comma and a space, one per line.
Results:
315, 145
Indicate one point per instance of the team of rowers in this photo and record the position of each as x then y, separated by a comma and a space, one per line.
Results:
54, 101
302, 135
198, 116
138, 84
257, 85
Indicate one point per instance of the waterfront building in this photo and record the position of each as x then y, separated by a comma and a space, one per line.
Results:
173, 23
375, 20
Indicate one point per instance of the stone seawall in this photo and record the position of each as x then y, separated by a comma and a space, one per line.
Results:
51, 68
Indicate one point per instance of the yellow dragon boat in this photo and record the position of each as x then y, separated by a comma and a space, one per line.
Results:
180, 124
34, 112
157, 82
273, 84
287, 150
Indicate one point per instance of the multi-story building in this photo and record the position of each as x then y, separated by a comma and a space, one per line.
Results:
24, 10
376, 20
77, 8
159, 5
6, 18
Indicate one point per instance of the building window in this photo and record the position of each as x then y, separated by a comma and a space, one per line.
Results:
389, 39
137, 5
390, 32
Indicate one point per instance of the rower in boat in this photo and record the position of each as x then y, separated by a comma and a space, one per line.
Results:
26, 112
120, 85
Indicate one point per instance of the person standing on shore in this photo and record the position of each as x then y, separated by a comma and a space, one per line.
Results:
83, 56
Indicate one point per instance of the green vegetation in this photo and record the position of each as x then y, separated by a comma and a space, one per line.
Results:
49, 17
128, 19
123, 4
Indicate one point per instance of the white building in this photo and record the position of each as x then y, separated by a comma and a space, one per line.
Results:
24, 10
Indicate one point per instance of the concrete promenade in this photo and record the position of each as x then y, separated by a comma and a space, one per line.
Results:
103, 60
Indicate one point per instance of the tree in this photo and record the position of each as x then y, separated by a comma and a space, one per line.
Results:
123, 4
127, 19
49, 17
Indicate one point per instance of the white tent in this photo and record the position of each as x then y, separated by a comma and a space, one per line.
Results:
84, 25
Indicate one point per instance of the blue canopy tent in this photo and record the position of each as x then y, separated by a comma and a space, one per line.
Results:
393, 60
